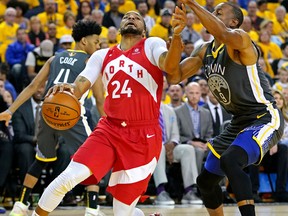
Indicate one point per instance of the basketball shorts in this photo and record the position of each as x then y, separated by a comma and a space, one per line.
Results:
130, 149
48, 139
255, 136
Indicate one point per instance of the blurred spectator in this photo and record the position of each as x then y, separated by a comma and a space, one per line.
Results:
285, 94
97, 16
188, 33
174, 152
112, 36
209, 6
4, 70
69, 20
35, 35
176, 93
6, 147
268, 26
38, 57
195, 123
170, 5
283, 78
50, 15
113, 17
104, 43
7, 97
24, 126
247, 27
67, 5
218, 113
280, 26
278, 62
263, 11
205, 37
98, 5
142, 8
270, 50
153, 9
65, 43
204, 91
164, 28
16, 55
21, 9
188, 49
8, 30
252, 13
263, 64
124, 6
275, 160
84, 10
51, 35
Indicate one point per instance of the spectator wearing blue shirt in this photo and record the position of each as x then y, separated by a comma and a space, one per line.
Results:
16, 55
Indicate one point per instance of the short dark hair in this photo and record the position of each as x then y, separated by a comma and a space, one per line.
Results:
85, 28
283, 45
237, 13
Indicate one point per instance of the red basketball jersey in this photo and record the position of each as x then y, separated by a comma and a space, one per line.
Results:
133, 83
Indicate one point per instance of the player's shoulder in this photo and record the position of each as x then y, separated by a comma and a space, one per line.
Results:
154, 39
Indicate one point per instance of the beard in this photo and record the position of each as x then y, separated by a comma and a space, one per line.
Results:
130, 30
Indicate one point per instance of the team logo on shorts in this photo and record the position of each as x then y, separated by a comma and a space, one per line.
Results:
220, 88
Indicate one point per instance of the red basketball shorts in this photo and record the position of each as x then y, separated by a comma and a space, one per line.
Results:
130, 149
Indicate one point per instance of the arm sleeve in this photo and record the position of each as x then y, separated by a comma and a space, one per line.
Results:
94, 66
154, 47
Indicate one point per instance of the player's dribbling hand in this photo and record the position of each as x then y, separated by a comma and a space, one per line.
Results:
179, 20
60, 88
5, 116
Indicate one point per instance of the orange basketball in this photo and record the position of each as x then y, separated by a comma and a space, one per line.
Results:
61, 111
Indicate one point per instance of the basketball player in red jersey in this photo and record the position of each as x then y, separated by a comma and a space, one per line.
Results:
128, 140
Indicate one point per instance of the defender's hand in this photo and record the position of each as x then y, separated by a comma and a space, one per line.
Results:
179, 20
60, 87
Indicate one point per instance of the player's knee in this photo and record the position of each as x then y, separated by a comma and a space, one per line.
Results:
203, 182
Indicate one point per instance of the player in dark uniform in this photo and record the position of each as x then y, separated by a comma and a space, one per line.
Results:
62, 68
231, 67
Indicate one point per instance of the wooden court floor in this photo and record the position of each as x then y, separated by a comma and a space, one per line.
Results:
181, 210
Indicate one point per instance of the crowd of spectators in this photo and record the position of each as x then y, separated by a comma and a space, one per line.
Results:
33, 31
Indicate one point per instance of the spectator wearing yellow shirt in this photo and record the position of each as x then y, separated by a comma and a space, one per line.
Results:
124, 6
270, 50
50, 15
247, 27
67, 5
3, 7
282, 82
163, 29
268, 25
8, 30
153, 9
69, 20
280, 26
21, 9
263, 11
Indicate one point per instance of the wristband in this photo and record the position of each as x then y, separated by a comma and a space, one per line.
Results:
9, 112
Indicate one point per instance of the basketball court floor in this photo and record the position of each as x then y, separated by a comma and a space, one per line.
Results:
181, 210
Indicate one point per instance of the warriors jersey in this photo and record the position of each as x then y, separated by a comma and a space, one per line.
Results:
132, 79
239, 89
65, 67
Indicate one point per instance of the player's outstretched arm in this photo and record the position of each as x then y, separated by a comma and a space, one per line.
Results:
223, 34
169, 62
27, 93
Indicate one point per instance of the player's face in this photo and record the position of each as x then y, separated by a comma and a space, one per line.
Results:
132, 23
225, 14
92, 43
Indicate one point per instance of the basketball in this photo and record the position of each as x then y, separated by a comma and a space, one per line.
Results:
61, 111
